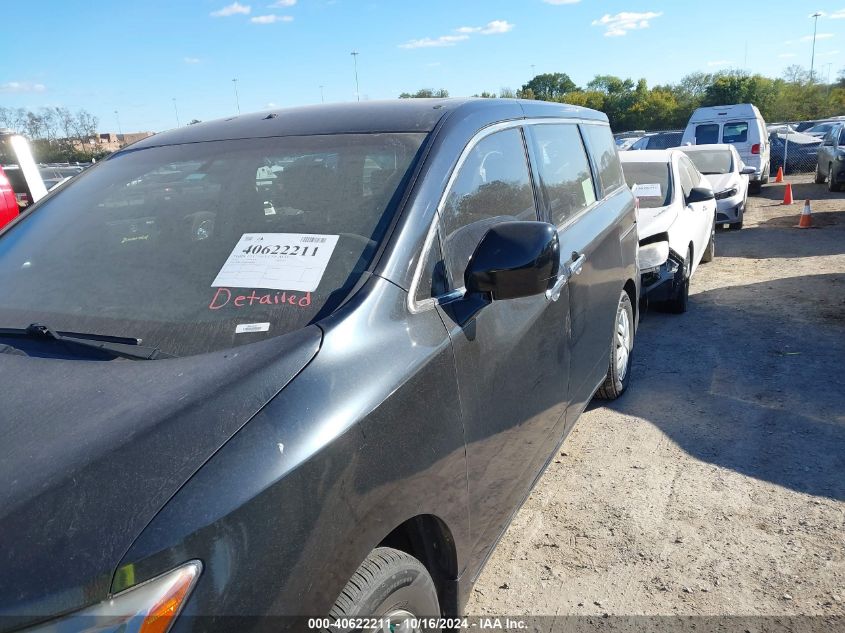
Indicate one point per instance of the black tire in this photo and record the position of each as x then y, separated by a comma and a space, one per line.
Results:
386, 582
710, 249
819, 179
832, 185
619, 368
755, 187
679, 303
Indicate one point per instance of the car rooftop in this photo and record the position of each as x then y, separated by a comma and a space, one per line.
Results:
648, 156
705, 148
395, 115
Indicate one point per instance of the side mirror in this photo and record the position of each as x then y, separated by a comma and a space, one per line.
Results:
748, 171
700, 194
514, 259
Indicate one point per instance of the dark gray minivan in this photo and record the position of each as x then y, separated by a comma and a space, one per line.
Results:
298, 369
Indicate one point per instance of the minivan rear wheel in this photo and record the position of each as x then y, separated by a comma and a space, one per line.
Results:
621, 348
388, 584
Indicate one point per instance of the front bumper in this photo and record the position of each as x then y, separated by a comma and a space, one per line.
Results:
659, 283
730, 210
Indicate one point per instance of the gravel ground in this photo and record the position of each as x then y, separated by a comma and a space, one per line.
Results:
716, 485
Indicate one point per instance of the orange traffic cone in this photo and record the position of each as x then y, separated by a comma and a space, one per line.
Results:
787, 195
779, 177
806, 218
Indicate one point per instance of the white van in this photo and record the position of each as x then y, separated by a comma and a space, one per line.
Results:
740, 125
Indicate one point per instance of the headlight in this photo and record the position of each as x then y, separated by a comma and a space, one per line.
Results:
652, 255
727, 193
149, 607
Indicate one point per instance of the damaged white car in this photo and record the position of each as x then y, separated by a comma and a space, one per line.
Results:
676, 222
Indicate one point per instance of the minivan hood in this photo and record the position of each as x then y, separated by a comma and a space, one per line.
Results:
92, 450
654, 221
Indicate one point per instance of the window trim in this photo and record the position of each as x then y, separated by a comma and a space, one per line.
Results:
415, 306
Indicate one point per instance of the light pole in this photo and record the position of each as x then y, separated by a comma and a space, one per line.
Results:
119, 131
322, 98
176, 110
355, 63
815, 17
237, 99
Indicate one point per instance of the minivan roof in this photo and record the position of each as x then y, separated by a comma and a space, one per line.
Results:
395, 115
738, 111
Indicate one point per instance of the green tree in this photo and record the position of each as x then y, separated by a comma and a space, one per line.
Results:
425, 93
550, 86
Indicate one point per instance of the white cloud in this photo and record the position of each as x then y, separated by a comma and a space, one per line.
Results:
720, 62
268, 106
231, 9
837, 15
819, 36
191, 60
270, 19
281, 4
621, 23
496, 27
22, 86
435, 42
786, 55
827, 54
561, 1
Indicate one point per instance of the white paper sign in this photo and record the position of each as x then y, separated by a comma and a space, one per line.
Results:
278, 261
647, 191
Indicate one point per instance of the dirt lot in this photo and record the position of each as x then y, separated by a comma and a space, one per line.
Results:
716, 485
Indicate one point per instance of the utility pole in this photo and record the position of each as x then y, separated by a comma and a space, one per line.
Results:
237, 99
119, 131
815, 17
355, 62
322, 97
176, 110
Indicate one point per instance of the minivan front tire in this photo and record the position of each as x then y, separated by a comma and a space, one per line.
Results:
621, 348
388, 584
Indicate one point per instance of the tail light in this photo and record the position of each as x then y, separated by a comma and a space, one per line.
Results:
755, 149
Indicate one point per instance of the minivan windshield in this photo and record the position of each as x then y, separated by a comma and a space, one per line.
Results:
711, 162
205, 246
650, 183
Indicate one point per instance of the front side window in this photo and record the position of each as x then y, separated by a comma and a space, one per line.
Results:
604, 152
565, 174
841, 137
707, 134
493, 185
687, 182
206, 246
735, 132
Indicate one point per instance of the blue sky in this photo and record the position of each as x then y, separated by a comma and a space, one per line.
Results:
136, 57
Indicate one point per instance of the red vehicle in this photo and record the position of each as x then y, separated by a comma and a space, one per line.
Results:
8, 202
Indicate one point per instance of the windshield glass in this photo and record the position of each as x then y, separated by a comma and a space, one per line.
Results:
205, 246
712, 162
650, 183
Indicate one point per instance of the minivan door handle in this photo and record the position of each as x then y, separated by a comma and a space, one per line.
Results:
577, 263
567, 270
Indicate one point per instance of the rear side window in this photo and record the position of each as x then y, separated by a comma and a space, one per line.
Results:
842, 136
707, 134
492, 186
735, 132
565, 174
601, 144
687, 180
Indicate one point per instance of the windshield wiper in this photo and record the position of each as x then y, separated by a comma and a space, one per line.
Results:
116, 345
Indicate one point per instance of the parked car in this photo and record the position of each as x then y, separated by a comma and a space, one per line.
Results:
800, 150
830, 162
57, 175
740, 125
8, 202
677, 211
335, 408
728, 177
658, 140
820, 130
803, 126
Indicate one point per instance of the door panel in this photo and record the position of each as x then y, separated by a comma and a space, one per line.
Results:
512, 357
